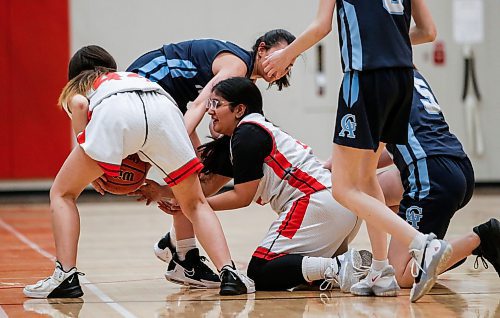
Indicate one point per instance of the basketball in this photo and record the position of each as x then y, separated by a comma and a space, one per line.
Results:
132, 175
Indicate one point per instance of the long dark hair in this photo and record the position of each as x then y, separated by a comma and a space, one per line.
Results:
272, 38
88, 58
236, 90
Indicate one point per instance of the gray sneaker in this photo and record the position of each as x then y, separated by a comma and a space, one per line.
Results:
427, 264
379, 283
352, 266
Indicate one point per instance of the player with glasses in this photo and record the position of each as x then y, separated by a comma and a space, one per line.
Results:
187, 71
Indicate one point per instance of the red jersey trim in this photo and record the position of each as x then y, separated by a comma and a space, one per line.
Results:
81, 137
264, 253
110, 169
291, 224
183, 172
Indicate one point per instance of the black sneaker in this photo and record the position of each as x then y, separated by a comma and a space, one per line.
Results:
164, 249
60, 285
192, 271
234, 283
489, 248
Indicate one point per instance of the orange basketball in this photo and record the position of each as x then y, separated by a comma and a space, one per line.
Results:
132, 175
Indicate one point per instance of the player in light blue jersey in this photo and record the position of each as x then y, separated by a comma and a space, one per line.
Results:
373, 109
433, 180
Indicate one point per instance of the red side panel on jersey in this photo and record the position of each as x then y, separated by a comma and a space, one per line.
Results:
291, 224
34, 44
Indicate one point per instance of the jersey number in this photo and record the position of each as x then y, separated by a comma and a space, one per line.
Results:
394, 6
428, 100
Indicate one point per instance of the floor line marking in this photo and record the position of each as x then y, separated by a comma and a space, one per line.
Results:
3, 314
94, 289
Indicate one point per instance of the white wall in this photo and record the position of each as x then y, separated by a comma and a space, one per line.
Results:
130, 28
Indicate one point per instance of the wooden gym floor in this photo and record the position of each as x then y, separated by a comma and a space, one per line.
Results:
124, 279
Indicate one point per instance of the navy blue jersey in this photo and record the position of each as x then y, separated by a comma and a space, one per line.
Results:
184, 68
428, 132
374, 34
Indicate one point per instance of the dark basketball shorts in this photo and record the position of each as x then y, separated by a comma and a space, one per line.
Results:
374, 106
434, 189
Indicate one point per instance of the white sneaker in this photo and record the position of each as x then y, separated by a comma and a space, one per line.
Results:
352, 267
164, 249
427, 264
60, 285
378, 283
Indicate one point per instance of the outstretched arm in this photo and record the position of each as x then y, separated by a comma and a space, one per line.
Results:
277, 63
240, 197
424, 30
226, 65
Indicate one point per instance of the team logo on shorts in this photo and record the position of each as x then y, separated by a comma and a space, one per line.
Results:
414, 215
348, 124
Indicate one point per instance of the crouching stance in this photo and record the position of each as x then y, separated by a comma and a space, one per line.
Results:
270, 166
127, 114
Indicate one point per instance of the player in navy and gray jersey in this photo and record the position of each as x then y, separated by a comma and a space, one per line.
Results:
437, 180
184, 68
373, 109
373, 38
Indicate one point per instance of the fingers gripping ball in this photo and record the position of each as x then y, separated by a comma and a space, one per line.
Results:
132, 175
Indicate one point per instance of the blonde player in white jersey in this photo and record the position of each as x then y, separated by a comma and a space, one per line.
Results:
270, 166
115, 115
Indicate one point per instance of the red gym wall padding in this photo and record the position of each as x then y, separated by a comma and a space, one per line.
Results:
35, 133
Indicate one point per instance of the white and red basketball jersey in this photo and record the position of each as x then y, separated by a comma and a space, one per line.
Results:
291, 171
119, 82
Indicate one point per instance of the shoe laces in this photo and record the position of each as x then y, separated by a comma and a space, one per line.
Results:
476, 262
361, 272
416, 268
331, 279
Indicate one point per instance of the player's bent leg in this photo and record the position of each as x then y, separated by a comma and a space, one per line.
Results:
280, 273
427, 264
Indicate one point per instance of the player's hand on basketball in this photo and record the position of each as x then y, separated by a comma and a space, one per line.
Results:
151, 191
99, 184
170, 206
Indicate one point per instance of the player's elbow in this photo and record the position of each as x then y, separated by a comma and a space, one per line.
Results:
431, 33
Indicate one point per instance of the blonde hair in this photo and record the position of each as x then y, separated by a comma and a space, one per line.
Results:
81, 84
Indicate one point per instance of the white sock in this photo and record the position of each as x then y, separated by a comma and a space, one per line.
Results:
313, 268
173, 238
418, 242
379, 265
184, 246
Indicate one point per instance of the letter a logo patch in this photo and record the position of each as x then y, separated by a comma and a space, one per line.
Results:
348, 124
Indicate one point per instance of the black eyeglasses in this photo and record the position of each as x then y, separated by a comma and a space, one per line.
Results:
216, 103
